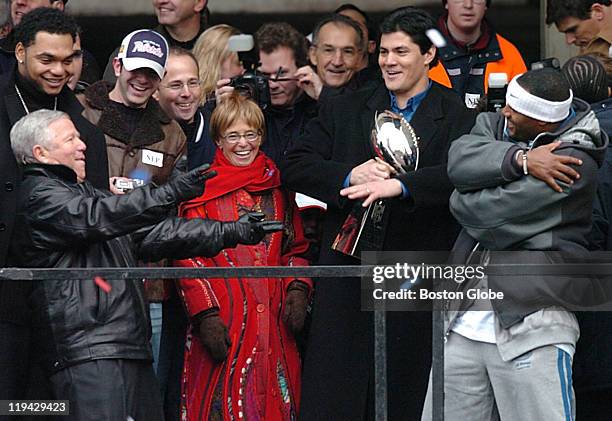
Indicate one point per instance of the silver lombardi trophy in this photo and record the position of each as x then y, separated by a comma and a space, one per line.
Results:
394, 141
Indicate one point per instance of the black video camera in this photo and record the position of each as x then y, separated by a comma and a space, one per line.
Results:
251, 83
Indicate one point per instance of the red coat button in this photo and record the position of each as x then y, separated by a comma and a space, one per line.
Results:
260, 308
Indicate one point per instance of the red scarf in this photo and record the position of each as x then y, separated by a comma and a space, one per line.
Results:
258, 176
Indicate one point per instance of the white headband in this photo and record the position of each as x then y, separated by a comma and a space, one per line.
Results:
535, 107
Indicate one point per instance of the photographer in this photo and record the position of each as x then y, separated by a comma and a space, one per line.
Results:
274, 85
93, 336
282, 51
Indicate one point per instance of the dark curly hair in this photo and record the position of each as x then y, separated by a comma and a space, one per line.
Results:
557, 10
273, 35
44, 19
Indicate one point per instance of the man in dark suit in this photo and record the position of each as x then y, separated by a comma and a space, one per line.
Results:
333, 162
44, 52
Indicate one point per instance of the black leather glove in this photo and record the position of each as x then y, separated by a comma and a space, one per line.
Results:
296, 302
214, 335
190, 184
249, 229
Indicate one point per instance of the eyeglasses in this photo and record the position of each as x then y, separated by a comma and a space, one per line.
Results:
178, 85
234, 137
463, 1
346, 52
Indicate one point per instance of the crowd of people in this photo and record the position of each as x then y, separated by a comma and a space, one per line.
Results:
183, 150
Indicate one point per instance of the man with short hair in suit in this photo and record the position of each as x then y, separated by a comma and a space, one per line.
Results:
333, 162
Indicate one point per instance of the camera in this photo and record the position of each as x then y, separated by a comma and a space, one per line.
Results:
126, 185
496, 92
254, 86
251, 83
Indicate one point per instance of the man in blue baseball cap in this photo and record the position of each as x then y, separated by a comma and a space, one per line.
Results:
142, 141
142, 57
140, 137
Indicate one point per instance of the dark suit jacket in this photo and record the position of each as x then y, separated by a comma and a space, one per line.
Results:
337, 381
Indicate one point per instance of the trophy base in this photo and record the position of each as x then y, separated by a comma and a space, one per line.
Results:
363, 230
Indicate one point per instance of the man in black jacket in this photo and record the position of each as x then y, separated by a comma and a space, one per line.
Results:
93, 336
181, 21
334, 154
44, 54
282, 51
338, 53
179, 96
6, 26
90, 71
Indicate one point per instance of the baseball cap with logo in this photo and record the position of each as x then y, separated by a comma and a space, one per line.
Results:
144, 48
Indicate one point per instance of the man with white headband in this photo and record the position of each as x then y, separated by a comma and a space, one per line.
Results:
520, 201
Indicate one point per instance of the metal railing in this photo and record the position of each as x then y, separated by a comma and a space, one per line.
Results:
354, 271
347, 271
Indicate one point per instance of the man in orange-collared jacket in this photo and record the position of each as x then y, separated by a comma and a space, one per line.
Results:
473, 51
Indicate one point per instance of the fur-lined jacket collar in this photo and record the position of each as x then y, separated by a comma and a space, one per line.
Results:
112, 122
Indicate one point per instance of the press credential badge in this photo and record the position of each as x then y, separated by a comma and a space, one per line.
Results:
152, 158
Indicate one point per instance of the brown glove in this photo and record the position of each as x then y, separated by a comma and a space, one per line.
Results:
296, 302
214, 335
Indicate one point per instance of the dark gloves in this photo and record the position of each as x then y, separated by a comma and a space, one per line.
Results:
296, 303
249, 229
190, 184
214, 335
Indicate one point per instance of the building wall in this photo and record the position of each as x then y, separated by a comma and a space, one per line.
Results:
137, 7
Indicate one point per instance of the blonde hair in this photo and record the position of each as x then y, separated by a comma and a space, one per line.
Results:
211, 51
233, 109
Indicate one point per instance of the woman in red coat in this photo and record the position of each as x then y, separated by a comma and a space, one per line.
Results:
241, 359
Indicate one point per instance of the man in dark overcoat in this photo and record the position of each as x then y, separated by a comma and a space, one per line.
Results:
334, 155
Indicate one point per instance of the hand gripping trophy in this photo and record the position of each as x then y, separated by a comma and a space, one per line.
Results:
394, 141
